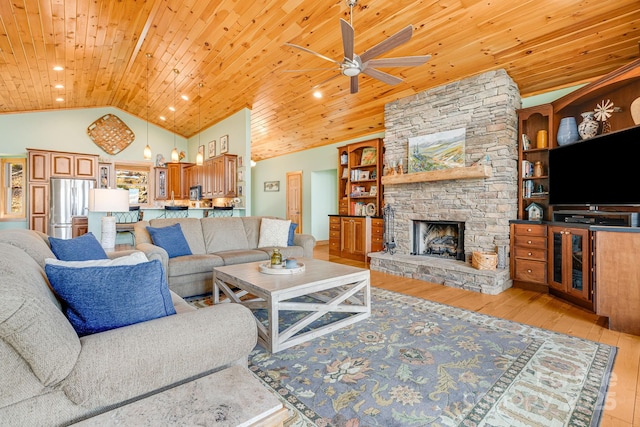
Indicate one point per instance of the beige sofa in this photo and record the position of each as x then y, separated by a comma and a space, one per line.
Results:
51, 377
213, 242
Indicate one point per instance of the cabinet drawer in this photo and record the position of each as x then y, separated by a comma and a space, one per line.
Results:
334, 234
530, 271
531, 241
334, 220
532, 253
522, 230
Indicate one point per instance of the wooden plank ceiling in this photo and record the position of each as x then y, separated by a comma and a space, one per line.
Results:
236, 49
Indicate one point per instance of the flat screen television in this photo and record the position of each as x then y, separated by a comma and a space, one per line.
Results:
600, 171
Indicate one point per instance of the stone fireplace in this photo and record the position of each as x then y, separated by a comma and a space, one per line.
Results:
485, 105
442, 239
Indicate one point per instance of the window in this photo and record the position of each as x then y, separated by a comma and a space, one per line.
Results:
13, 188
135, 177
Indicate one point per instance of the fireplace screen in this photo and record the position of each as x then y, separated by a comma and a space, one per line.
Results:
444, 239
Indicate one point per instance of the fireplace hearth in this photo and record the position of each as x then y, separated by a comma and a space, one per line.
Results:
442, 239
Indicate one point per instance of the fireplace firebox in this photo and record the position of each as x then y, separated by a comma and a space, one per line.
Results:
443, 239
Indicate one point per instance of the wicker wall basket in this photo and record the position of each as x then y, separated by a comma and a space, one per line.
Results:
484, 260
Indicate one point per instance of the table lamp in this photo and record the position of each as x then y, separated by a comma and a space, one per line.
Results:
108, 200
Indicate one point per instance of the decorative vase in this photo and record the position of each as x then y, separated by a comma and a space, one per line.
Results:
567, 131
588, 128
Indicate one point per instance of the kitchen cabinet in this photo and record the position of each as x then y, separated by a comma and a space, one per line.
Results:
39, 206
223, 176
569, 264
38, 165
71, 165
177, 183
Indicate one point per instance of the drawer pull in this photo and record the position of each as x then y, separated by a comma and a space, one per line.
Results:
528, 229
529, 254
529, 271
529, 242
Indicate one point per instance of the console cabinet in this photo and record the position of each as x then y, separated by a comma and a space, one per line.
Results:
569, 268
529, 253
353, 237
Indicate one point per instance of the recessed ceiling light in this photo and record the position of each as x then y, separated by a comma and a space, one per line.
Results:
59, 86
60, 99
172, 109
163, 118
58, 68
185, 97
317, 94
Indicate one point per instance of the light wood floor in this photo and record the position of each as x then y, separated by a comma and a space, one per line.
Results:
540, 310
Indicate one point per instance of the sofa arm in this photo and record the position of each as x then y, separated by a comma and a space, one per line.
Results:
155, 252
307, 241
128, 362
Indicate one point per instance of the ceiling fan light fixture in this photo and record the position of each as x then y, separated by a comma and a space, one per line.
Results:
350, 71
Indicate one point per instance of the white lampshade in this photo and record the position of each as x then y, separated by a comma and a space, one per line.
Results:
108, 200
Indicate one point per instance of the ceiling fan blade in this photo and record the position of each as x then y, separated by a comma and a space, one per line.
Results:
382, 76
304, 70
348, 37
354, 84
403, 61
392, 42
313, 53
325, 81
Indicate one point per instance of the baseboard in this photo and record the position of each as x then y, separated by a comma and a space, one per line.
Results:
322, 242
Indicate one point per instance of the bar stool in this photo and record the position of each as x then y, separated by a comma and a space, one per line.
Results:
176, 211
126, 220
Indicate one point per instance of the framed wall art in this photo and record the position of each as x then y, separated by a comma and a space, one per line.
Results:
272, 186
224, 144
212, 148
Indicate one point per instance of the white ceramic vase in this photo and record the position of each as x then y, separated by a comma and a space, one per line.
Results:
588, 128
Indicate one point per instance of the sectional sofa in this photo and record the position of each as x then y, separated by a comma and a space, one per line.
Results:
215, 242
50, 376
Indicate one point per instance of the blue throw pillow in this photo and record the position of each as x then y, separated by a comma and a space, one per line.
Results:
81, 248
292, 231
97, 299
170, 239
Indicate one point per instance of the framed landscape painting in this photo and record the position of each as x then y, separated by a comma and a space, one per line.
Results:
436, 151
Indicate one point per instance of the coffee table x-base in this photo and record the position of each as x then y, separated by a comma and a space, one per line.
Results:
334, 288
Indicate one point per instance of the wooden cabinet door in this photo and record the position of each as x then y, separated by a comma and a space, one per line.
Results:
38, 166
39, 207
359, 235
207, 179
569, 265
173, 181
230, 176
62, 165
347, 241
86, 167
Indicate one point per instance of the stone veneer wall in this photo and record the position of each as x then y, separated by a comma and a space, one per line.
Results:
486, 106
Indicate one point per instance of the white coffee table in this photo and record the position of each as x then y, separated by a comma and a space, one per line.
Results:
335, 288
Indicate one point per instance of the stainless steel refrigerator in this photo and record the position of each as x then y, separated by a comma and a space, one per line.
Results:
69, 198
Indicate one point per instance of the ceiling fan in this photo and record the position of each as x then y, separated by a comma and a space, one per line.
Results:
353, 65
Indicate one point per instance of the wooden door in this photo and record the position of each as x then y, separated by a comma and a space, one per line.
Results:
294, 198
86, 166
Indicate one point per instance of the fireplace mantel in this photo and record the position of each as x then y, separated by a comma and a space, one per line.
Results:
469, 172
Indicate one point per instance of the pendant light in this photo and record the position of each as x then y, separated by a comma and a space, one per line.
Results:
147, 148
200, 155
175, 156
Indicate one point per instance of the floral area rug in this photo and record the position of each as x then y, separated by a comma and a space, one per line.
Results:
419, 363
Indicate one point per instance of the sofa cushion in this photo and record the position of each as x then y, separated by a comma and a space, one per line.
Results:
185, 265
191, 229
292, 234
252, 229
79, 248
274, 232
171, 239
224, 234
31, 320
102, 298
239, 257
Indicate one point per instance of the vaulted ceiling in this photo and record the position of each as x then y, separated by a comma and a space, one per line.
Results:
237, 50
